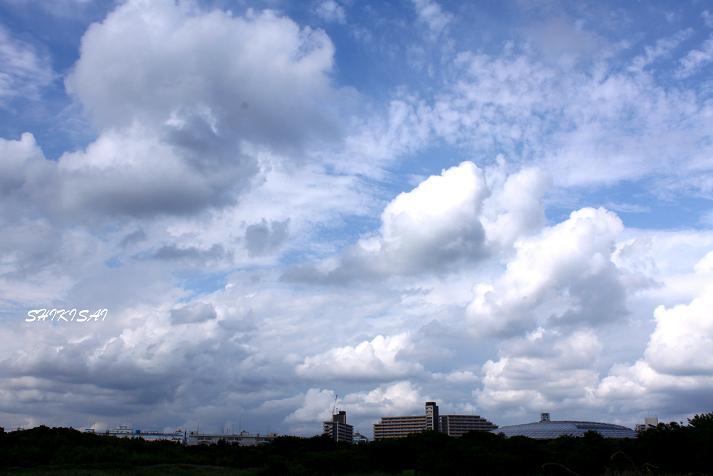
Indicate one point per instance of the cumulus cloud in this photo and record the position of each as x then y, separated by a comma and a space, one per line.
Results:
398, 398
705, 265
676, 370
189, 72
218, 163
186, 107
27, 180
193, 313
316, 406
564, 275
514, 209
683, 335
262, 238
377, 359
433, 224
546, 369
450, 219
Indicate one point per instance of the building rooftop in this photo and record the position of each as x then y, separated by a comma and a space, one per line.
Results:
555, 429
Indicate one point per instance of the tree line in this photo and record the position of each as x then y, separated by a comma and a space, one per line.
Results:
670, 448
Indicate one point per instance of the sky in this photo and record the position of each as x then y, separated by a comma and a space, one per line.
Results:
505, 207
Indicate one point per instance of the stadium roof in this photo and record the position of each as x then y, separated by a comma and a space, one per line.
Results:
553, 429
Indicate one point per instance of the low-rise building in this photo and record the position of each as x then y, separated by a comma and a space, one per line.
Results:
243, 439
125, 431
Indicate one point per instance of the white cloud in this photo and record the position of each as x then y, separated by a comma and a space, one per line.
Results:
430, 227
515, 209
330, 10
398, 398
188, 106
542, 371
696, 59
377, 359
316, 407
432, 14
681, 343
661, 49
362, 408
583, 126
193, 313
705, 265
675, 373
707, 18
562, 276
24, 71
186, 72
435, 222
447, 220
225, 153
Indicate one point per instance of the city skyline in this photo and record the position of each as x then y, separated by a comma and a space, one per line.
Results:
219, 211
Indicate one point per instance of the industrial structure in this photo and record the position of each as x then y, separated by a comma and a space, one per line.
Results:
547, 429
453, 425
243, 438
125, 431
192, 438
338, 429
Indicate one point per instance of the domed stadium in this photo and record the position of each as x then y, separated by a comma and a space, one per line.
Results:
546, 429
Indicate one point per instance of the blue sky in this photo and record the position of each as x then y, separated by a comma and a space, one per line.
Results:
503, 206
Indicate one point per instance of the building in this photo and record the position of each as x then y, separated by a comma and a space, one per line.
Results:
649, 422
242, 439
338, 429
402, 426
359, 438
178, 436
124, 431
399, 426
459, 425
433, 421
453, 425
546, 429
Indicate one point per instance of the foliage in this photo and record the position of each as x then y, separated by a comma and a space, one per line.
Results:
669, 448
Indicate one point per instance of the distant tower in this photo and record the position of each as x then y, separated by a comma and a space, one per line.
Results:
338, 429
340, 417
544, 417
432, 418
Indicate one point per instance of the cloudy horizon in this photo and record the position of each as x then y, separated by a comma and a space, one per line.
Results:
505, 208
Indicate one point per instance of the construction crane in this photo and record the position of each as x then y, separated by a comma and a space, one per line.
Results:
334, 407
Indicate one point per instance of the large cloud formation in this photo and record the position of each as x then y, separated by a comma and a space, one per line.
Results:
184, 101
448, 220
564, 275
237, 212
